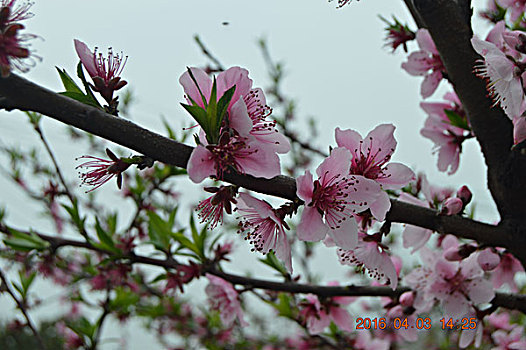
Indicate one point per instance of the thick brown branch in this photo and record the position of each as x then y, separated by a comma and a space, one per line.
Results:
26, 95
451, 32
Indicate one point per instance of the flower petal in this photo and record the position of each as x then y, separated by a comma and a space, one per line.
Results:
311, 227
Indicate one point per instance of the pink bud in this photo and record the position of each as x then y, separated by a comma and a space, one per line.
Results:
407, 299
464, 194
452, 206
452, 254
488, 259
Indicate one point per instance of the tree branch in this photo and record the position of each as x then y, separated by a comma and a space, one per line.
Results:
451, 32
26, 95
510, 301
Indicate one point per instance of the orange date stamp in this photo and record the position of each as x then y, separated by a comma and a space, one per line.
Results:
424, 323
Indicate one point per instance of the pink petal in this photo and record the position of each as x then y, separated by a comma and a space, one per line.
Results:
317, 325
201, 164
239, 118
418, 63
311, 227
365, 192
448, 157
272, 139
262, 208
283, 252
380, 141
425, 41
305, 187
349, 139
338, 162
86, 57
430, 83
234, 76
342, 319
380, 206
455, 305
346, 236
191, 90
415, 237
397, 176
480, 290
262, 163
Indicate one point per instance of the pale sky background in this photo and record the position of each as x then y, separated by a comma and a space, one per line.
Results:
337, 70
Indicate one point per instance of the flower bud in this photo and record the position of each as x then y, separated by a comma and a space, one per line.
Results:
452, 206
464, 194
407, 299
488, 259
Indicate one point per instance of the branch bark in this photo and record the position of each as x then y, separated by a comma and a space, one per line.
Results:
448, 23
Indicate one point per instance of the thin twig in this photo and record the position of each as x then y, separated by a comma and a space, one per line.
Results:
511, 301
100, 322
208, 54
22, 308
55, 163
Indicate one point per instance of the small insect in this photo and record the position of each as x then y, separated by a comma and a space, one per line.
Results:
225, 23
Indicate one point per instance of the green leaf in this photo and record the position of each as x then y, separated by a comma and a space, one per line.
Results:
457, 120
79, 96
273, 262
200, 116
89, 93
222, 106
25, 242
106, 242
159, 232
68, 83
34, 117
73, 212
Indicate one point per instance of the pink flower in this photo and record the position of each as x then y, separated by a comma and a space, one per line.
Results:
505, 272
512, 340
317, 317
447, 137
427, 59
459, 285
503, 77
247, 109
13, 50
370, 156
263, 228
103, 71
224, 298
211, 209
102, 170
243, 155
373, 256
333, 199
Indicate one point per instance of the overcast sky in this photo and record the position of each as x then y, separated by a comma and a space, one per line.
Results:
336, 68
